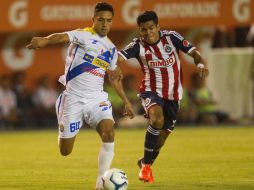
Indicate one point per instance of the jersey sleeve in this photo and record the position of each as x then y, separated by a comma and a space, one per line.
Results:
180, 43
130, 51
77, 37
114, 56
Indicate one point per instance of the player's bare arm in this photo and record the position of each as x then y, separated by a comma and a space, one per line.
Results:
120, 59
119, 74
116, 82
200, 63
40, 42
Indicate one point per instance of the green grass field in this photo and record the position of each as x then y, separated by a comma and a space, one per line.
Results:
200, 158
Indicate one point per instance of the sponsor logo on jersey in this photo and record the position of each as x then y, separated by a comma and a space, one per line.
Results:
96, 61
88, 58
100, 63
186, 43
96, 73
162, 63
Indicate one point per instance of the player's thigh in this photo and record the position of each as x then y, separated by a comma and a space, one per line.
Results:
98, 110
152, 105
69, 115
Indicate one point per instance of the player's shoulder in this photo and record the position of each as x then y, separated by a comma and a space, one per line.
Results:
172, 33
167, 32
134, 44
88, 30
111, 44
136, 40
85, 31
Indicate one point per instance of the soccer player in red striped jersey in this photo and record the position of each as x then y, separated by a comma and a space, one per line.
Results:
157, 52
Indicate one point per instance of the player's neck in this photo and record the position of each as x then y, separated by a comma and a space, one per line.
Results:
102, 36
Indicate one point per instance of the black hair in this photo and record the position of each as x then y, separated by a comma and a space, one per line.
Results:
103, 6
147, 16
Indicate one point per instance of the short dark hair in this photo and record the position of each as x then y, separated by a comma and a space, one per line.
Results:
103, 6
147, 16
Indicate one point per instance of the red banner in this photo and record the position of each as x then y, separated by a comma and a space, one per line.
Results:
51, 15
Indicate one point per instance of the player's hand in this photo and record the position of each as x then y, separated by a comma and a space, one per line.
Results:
202, 70
129, 110
37, 42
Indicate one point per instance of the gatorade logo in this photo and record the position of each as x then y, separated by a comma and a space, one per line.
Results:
17, 58
17, 14
130, 11
241, 10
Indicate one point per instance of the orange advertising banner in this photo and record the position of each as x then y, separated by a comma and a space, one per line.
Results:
52, 15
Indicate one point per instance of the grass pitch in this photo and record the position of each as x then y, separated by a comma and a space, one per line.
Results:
200, 158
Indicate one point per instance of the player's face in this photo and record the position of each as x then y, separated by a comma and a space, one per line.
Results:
149, 31
102, 22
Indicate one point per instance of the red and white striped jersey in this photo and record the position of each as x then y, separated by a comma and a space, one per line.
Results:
160, 63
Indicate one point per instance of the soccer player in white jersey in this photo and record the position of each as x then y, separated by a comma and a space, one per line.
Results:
90, 55
161, 88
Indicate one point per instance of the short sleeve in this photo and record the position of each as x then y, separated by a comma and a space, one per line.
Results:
130, 51
76, 36
180, 43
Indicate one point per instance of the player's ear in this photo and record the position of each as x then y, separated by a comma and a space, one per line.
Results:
158, 26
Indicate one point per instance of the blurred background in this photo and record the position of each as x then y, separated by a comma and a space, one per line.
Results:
223, 31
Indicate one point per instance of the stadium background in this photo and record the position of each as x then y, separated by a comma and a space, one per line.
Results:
199, 21
207, 157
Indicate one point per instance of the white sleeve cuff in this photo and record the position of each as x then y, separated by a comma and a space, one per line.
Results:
191, 49
125, 58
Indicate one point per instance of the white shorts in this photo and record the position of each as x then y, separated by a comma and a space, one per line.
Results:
71, 111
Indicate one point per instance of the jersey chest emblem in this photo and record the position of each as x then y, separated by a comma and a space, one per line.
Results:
167, 48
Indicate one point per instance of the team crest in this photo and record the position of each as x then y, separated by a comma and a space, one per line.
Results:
167, 48
61, 128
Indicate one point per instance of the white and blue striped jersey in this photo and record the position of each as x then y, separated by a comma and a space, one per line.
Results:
89, 56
